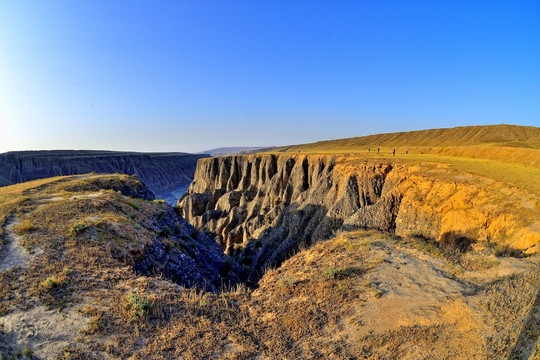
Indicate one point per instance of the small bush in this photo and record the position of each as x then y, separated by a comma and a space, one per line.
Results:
478, 262
78, 228
133, 205
140, 306
507, 251
25, 227
287, 282
51, 285
165, 231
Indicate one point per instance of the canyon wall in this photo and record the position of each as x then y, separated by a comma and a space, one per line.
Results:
263, 208
161, 172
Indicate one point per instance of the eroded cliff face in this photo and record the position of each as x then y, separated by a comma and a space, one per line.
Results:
263, 208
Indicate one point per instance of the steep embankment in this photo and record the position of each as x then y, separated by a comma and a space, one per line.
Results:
263, 208
161, 172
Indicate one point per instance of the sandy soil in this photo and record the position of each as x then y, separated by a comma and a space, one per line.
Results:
13, 253
43, 331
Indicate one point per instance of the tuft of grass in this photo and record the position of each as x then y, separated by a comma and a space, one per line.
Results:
52, 284
501, 250
478, 262
165, 231
27, 352
133, 205
78, 228
25, 227
287, 281
139, 306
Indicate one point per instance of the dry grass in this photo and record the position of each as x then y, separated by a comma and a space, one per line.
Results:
297, 311
506, 153
510, 135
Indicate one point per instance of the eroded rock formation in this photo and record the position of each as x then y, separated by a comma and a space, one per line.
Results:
263, 208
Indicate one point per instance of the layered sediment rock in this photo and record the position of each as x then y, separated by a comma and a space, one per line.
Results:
262, 208
161, 172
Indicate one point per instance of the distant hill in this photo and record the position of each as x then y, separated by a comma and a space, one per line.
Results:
233, 150
161, 172
501, 135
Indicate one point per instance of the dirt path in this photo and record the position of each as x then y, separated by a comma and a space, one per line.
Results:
42, 331
13, 254
412, 289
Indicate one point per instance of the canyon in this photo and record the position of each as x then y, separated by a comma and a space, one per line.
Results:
263, 208
303, 252
163, 173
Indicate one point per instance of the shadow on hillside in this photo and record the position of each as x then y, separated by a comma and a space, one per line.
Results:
529, 333
294, 230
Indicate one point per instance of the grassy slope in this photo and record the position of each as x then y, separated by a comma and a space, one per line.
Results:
506, 153
512, 135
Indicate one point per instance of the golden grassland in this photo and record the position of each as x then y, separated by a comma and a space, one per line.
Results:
519, 171
499, 135
506, 153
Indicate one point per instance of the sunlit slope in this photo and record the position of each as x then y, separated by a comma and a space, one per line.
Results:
499, 135
506, 153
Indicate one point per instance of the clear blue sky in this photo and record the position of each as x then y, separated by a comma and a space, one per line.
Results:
189, 76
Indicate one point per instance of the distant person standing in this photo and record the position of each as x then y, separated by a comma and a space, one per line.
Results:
406, 151
369, 149
394, 151
378, 150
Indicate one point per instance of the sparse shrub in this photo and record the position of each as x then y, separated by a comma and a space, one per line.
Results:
478, 262
133, 205
227, 267
140, 306
29, 247
507, 251
51, 285
25, 227
209, 233
330, 273
287, 281
456, 242
165, 231
78, 228
95, 325
27, 352
118, 207
246, 260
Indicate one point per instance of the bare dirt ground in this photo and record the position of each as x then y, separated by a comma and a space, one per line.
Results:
41, 331
415, 290
45, 332
13, 253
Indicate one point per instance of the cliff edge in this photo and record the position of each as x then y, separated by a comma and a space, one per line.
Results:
263, 208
